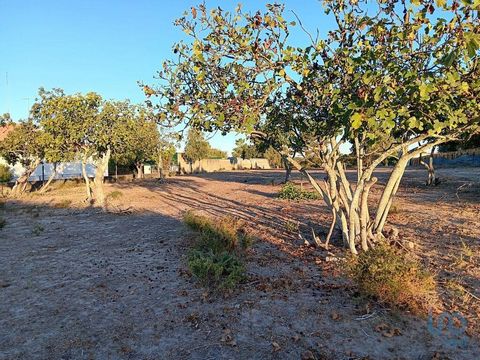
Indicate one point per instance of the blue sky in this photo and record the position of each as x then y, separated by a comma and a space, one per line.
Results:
102, 46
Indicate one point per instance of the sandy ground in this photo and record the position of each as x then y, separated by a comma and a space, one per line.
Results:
79, 284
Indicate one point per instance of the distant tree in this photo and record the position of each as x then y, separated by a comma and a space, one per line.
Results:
165, 153
216, 154
196, 147
24, 145
245, 150
139, 139
5, 173
5, 119
273, 156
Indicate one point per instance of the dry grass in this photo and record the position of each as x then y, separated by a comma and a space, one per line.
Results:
393, 278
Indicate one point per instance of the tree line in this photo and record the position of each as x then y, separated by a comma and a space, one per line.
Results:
86, 128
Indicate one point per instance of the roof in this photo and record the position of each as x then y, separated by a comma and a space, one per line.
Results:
4, 130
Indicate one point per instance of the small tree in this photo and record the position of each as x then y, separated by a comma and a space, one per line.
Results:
5, 173
24, 145
196, 147
138, 139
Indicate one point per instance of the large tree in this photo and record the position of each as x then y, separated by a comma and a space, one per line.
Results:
69, 122
403, 72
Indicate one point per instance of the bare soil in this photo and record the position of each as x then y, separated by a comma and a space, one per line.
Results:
76, 283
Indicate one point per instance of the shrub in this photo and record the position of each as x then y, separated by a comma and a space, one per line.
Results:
215, 257
290, 191
115, 195
5, 173
393, 278
63, 204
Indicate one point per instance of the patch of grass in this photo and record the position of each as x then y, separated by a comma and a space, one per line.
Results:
63, 204
395, 209
291, 226
114, 195
393, 278
37, 229
465, 257
290, 191
215, 258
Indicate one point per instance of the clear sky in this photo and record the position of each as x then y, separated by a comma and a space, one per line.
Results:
104, 46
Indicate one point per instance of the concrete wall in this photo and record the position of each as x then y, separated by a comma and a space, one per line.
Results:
212, 165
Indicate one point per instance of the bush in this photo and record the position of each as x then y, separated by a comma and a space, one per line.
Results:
115, 195
63, 204
5, 173
393, 278
215, 257
290, 191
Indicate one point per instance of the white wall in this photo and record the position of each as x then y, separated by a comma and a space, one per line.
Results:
68, 170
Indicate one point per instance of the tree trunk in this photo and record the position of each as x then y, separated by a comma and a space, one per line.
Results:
139, 171
288, 169
88, 188
431, 180
22, 181
98, 180
52, 176
389, 192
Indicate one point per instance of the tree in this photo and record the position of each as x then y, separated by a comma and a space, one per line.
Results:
244, 150
216, 154
196, 147
411, 78
69, 122
138, 139
274, 158
165, 153
24, 145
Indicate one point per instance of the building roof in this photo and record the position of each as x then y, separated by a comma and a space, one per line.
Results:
4, 130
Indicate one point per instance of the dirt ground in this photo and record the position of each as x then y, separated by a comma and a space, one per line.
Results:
76, 283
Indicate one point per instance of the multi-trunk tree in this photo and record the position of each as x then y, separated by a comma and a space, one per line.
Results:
402, 72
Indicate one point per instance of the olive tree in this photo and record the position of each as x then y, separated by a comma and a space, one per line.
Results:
405, 72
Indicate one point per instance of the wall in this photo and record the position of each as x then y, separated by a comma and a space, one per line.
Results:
67, 170
469, 157
212, 165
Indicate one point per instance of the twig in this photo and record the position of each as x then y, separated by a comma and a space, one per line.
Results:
366, 316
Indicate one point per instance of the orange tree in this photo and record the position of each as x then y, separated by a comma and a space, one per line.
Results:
404, 75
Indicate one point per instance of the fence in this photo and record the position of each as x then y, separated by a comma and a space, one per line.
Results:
469, 157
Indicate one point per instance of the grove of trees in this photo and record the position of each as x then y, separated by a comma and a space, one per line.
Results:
392, 78
85, 128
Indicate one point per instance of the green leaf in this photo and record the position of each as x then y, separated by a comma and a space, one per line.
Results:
356, 120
